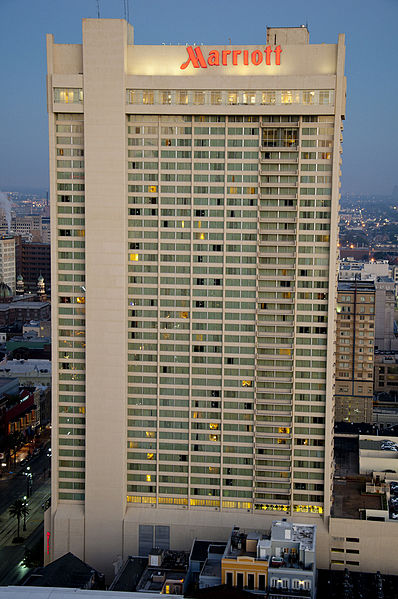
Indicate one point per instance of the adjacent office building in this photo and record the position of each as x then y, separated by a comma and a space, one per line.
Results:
355, 351
7, 261
194, 194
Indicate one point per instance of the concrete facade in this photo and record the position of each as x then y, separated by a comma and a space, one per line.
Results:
210, 290
7, 261
355, 337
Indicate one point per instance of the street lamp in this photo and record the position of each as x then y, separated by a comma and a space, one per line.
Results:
25, 505
29, 481
49, 455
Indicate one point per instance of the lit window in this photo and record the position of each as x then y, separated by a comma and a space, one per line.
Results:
148, 478
285, 352
308, 97
284, 429
134, 257
249, 97
150, 456
152, 188
80, 300
268, 98
214, 426
147, 97
247, 383
233, 98
165, 97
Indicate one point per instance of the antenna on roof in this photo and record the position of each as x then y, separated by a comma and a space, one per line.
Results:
125, 8
98, 10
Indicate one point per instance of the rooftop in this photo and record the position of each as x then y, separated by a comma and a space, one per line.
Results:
17, 367
298, 533
212, 567
349, 496
24, 306
67, 571
367, 286
129, 574
173, 567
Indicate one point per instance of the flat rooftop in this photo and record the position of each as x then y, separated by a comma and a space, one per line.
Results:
358, 285
349, 495
303, 534
212, 567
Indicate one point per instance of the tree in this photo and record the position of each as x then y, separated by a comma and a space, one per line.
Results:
16, 510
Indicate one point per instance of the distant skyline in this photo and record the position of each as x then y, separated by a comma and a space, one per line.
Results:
370, 153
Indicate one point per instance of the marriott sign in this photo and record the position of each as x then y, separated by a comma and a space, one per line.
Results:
231, 57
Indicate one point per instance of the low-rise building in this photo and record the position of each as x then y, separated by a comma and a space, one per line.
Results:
210, 574
378, 454
165, 572
22, 311
386, 371
42, 328
282, 561
29, 372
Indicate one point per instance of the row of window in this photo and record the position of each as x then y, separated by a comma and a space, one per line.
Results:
228, 98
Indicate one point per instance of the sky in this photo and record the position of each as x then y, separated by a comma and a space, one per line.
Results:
370, 155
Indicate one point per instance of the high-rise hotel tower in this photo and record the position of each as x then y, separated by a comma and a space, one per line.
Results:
194, 194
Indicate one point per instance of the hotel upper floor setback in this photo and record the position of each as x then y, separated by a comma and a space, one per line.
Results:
284, 73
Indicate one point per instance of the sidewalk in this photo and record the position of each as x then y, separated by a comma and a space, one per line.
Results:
8, 525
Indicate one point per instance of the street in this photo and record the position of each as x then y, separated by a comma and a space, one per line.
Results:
15, 487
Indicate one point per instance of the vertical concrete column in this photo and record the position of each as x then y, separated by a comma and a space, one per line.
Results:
104, 59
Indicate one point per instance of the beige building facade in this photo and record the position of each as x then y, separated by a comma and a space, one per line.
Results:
194, 197
355, 339
7, 261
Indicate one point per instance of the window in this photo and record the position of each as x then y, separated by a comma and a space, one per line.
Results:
68, 96
199, 98
308, 97
147, 97
216, 97
249, 98
250, 582
182, 97
165, 97
268, 98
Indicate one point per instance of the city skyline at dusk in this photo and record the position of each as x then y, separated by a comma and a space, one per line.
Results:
369, 139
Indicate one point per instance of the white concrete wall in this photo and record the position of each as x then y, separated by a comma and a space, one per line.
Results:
104, 47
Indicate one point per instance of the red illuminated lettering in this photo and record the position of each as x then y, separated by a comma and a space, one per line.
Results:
235, 54
224, 54
214, 58
196, 57
48, 542
278, 51
257, 57
197, 60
